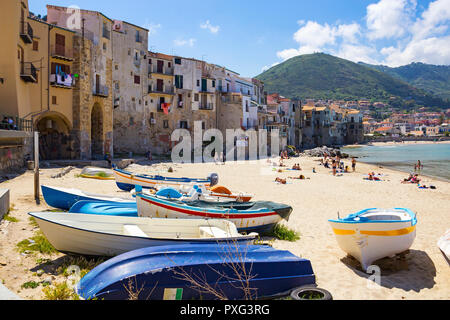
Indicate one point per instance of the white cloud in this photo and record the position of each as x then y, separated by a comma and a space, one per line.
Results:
394, 34
207, 25
265, 68
184, 42
152, 28
388, 19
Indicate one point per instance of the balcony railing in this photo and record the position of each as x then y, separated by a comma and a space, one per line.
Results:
28, 72
165, 71
26, 32
59, 81
206, 106
101, 91
15, 123
61, 52
161, 91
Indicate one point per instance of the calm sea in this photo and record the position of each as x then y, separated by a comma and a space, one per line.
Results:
434, 157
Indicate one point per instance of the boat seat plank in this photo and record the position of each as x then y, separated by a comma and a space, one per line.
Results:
134, 231
212, 232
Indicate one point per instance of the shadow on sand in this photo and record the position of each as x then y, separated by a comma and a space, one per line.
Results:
412, 270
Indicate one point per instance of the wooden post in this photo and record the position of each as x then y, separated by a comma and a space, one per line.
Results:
36, 168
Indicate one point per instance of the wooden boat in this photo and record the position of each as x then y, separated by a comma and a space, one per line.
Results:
161, 273
373, 234
65, 198
251, 216
444, 245
105, 208
95, 235
97, 173
127, 181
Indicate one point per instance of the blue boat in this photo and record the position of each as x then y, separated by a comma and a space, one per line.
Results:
127, 181
64, 198
162, 273
105, 208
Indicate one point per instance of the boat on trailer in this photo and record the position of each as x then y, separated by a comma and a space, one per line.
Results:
127, 181
260, 216
233, 272
373, 234
95, 235
65, 198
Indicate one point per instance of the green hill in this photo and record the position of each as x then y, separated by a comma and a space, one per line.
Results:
431, 78
322, 76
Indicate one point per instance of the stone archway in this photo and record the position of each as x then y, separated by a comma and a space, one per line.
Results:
97, 137
55, 142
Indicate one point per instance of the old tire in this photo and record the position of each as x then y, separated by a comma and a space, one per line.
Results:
311, 293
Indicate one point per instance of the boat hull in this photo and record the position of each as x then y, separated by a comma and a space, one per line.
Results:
89, 242
64, 199
127, 181
369, 242
161, 273
251, 221
105, 208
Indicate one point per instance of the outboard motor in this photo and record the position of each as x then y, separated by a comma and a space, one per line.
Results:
214, 179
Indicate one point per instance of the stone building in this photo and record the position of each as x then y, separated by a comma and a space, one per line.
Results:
92, 94
130, 88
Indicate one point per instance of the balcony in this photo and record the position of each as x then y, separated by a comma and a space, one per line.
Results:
61, 52
58, 81
26, 32
206, 106
164, 71
28, 72
101, 91
167, 91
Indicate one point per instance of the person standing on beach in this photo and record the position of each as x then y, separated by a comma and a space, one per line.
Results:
354, 164
334, 167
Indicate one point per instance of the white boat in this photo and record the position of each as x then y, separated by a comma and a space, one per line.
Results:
373, 234
94, 235
444, 245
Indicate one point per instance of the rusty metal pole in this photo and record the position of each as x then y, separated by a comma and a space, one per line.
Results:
36, 168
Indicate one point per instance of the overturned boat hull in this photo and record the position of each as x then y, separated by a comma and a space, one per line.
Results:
235, 272
65, 198
105, 208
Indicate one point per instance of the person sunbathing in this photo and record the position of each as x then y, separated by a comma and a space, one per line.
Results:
301, 177
297, 167
279, 180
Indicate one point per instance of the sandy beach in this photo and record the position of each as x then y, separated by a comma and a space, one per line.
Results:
423, 273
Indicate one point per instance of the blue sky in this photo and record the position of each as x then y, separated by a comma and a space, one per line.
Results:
250, 36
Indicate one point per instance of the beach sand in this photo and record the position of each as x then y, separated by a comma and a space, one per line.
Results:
423, 273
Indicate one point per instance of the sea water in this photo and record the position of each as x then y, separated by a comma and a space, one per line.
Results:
435, 158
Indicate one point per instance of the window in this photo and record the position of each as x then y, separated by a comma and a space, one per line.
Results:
104, 46
149, 61
35, 45
184, 125
137, 79
179, 81
213, 83
170, 65
166, 124
54, 101
177, 61
196, 97
117, 67
131, 121
203, 125
198, 83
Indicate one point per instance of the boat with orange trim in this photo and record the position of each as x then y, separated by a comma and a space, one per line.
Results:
373, 234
